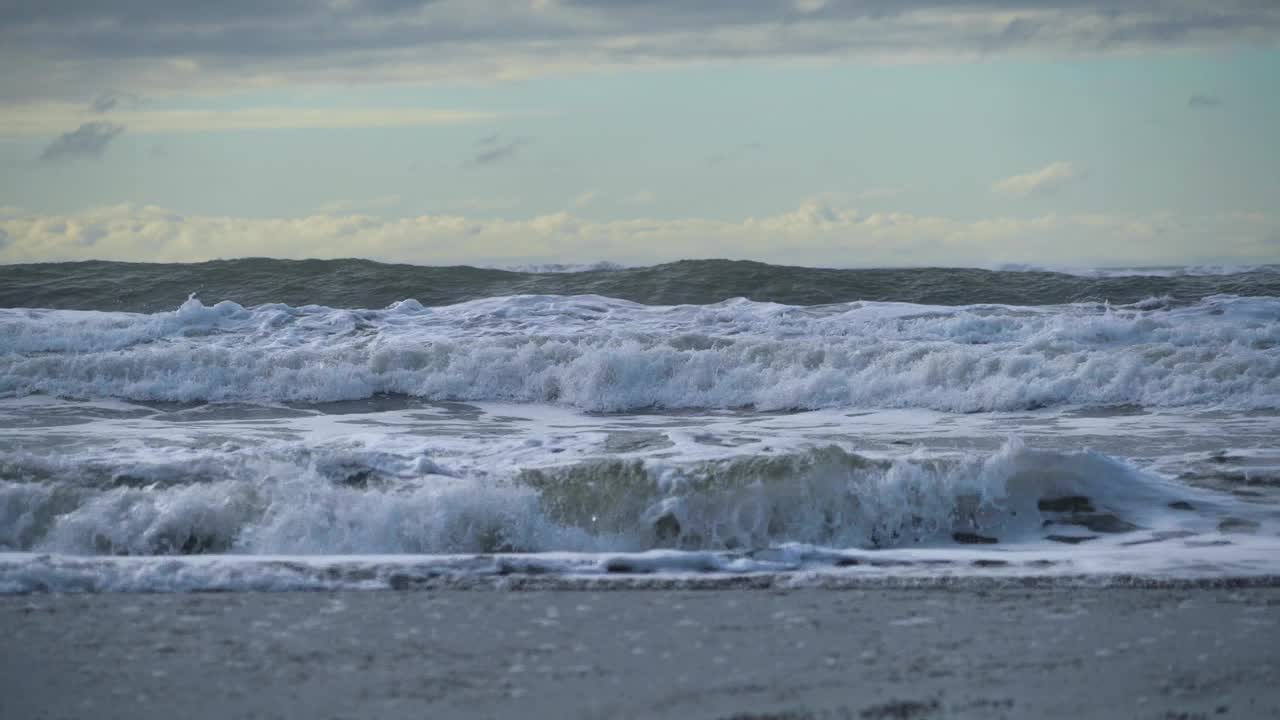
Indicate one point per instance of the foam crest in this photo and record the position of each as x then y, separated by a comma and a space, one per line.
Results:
1140, 272
602, 354
819, 496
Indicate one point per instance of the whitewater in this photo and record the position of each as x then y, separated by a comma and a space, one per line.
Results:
263, 424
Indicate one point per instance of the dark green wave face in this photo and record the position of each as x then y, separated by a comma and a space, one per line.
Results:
151, 287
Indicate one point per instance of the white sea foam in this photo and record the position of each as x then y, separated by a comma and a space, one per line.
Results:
1163, 271
602, 354
107, 495
270, 492
348, 499
791, 566
600, 266
1205, 270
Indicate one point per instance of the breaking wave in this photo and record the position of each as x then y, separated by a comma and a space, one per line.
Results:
603, 354
364, 504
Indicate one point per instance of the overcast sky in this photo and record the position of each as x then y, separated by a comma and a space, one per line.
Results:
838, 132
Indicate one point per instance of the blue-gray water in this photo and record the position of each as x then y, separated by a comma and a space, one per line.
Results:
151, 287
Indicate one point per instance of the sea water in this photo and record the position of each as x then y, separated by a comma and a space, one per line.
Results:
262, 424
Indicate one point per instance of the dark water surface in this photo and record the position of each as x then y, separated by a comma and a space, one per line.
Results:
151, 287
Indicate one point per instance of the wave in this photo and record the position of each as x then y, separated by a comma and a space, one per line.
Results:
1193, 568
362, 503
1140, 272
549, 268
609, 355
151, 287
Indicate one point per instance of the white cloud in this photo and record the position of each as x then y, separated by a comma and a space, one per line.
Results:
643, 197
808, 6
46, 118
585, 199
1047, 179
815, 234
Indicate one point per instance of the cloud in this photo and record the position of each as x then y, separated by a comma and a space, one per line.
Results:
37, 118
108, 101
815, 233
809, 6
1018, 32
1047, 179
642, 197
88, 140
74, 48
103, 104
1203, 102
585, 199
493, 149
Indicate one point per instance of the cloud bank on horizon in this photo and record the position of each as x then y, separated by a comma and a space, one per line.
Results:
904, 131
814, 234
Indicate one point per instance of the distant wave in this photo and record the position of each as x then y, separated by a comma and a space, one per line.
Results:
144, 287
547, 268
1119, 272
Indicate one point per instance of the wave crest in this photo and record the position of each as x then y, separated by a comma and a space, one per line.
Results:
822, 496
602, 354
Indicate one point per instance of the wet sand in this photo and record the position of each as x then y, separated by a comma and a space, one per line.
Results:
876, 653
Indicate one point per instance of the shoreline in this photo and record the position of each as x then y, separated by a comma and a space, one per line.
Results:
869, 652
1213, 567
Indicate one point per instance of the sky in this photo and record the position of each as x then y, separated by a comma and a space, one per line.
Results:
502, 132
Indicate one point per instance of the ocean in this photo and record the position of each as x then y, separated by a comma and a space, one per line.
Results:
271, 425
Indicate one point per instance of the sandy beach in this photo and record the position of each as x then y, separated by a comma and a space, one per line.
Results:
877, 653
